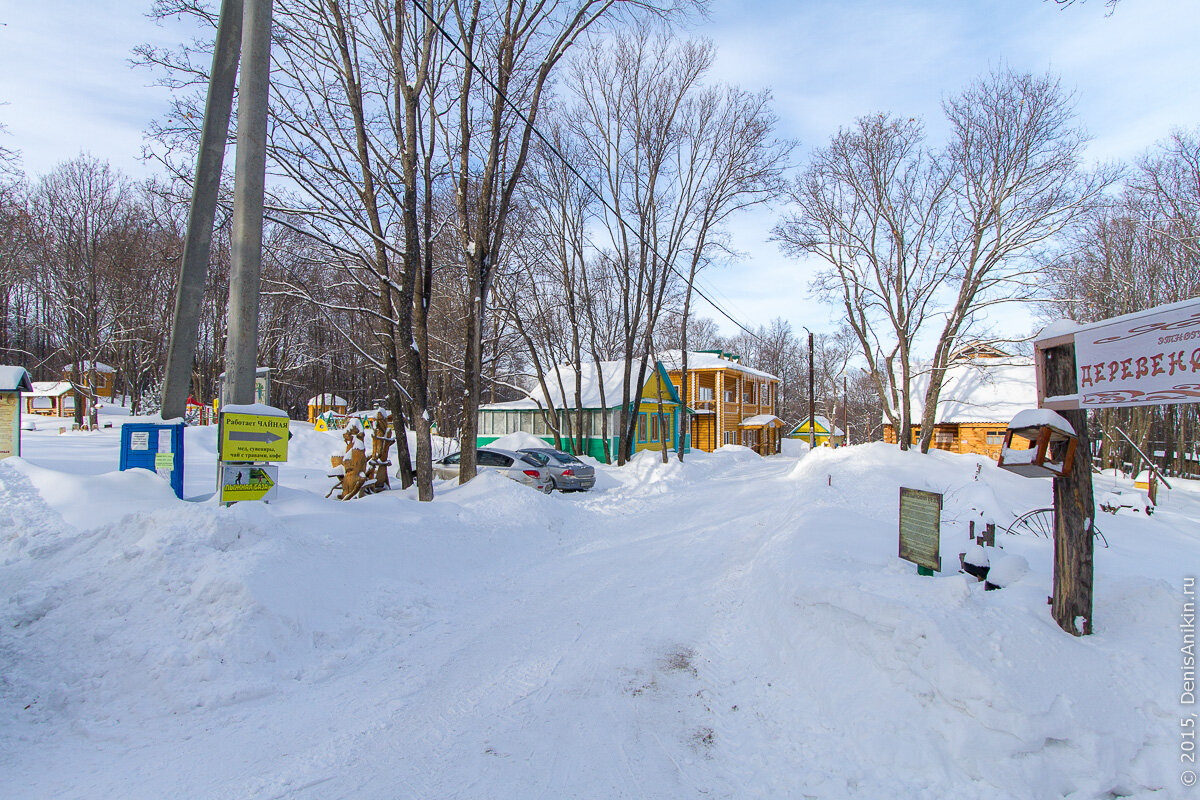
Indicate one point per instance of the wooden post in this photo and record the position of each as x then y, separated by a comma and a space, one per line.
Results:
1074, 510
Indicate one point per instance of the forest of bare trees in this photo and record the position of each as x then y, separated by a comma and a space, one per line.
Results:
461, 200
1138, 250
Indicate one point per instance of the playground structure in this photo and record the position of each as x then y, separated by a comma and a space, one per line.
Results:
327, 404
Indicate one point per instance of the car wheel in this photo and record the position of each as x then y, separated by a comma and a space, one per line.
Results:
550, 486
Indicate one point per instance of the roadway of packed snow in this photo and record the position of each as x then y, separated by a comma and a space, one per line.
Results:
730, 627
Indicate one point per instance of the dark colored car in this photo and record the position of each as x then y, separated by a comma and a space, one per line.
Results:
567, 473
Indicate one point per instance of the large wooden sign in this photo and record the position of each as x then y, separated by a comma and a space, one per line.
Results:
1143, 359
921, 528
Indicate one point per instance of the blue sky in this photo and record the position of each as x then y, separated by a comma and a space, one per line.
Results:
68, 84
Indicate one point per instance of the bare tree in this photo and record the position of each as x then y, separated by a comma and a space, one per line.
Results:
872, 206
1135, 252
912, 236
1016, 158
509, 51
83, 208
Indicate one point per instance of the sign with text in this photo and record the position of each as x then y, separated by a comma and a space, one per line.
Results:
253, 437
1151, 358
921, 528
10, 424
248, 482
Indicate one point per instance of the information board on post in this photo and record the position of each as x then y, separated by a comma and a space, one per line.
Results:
10, 424
921, 528
253, 433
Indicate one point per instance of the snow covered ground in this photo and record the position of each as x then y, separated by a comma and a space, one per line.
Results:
729, 627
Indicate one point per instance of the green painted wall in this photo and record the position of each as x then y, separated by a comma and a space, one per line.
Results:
593, 446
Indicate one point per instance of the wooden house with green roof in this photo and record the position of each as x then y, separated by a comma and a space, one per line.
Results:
597, 413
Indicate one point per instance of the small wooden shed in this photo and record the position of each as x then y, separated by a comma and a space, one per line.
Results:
762, 433
105, 377
825, 433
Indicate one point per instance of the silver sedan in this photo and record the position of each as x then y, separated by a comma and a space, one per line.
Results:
520, 467
567, 473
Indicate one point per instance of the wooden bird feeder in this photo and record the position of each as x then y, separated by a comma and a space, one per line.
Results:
1049, 441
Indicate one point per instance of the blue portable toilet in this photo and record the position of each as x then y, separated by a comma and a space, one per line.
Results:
158, 448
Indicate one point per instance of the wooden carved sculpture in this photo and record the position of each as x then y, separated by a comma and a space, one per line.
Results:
382, 438
352, 464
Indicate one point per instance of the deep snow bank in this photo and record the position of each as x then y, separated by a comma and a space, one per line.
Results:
730, 626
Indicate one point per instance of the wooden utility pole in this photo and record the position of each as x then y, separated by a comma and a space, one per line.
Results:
1074, 508
845, 412
812, 405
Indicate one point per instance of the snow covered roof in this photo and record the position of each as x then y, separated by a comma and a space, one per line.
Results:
88, 366
984, 390
1039, 418
50, 388
823, 423
610, 375
327, 399
761, 420
14, 379
253, 409
673, 361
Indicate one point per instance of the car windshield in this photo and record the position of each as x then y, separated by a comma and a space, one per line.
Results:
537, 459
565, 458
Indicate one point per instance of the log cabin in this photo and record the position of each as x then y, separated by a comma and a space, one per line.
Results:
983, 390
729, 402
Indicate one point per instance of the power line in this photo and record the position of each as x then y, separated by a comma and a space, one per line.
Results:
587, 184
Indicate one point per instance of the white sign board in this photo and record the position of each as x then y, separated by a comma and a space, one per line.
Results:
1143, 359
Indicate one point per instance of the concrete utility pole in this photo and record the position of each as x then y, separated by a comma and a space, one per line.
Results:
189, 294
241, 348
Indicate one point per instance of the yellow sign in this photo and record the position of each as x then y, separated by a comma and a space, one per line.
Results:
253, 437
247, 483
320, 425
